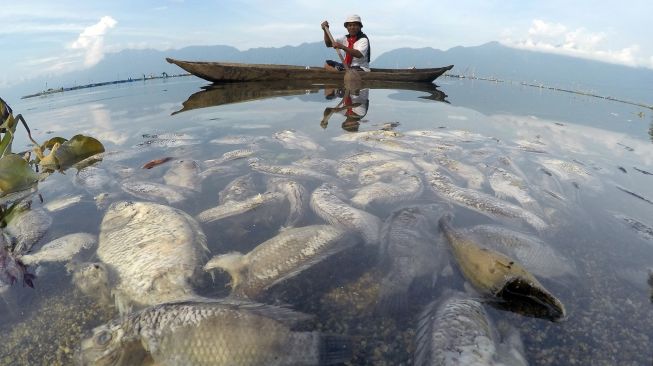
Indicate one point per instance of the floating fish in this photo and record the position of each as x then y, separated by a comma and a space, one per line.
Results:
27, 226
327, 205
293, 139
229, 156
456, 330
218, 332
92, 279
232, 208
494, 274
184, 173
152, 191
238, 189
403, 187
63, 203
155, 250
280, 258
61, 249
289, 171
482, 202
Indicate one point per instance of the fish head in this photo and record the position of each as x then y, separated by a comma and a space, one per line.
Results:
530, 298
107, 345
119, 214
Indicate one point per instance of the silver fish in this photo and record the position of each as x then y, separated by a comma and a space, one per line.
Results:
229, 156
402, 188
95, 179
482, 202
62, 203
296, 195
231, 208
506, 184
456, 330
152, 191
410, 249
184, 173
280, 258
217, 332
293, 139
327, 204
289, 171
61, 249
470, 174
536, 256
156, 251
92, 279
350, 165
238, 140
385, 170
238, 189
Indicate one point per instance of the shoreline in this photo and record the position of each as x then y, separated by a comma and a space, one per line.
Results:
93, 85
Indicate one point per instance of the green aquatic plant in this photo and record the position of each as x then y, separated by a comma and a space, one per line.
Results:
66, 153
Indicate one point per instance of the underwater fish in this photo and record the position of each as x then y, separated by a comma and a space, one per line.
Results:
296, 195
229, 156
60, 249
152, 191
289, 171
184, 173
410, 249
92, 279
456, 330
351, 164
26, 226
535, 255
155, 250
217, 332
238, 189
403, 187
61, 203
327, 204
505, 184
494, 274
280, 258
384, 170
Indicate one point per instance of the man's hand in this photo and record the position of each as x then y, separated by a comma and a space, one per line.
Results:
325, 24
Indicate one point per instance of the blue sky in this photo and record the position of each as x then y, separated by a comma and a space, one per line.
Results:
40, 38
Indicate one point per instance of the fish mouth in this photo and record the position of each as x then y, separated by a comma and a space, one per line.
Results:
530, 299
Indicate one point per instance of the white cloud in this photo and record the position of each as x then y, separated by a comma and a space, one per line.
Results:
91, 40
558, 38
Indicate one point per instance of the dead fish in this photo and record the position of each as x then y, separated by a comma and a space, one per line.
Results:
62, 203
318, 164
229, 156
385, 170
293, 139
482, 202
456, 330
279, 258
289, 171
95, 179
402, 188
644, 230
152, 191
155, 250
505, 184
231, 208
410, 249
184, 173
350, 165
327, 205
61, 249
26, 226
296, 195
238, 189
92, 279
468, 173
212, 332
494, 274
535, 255
238, 140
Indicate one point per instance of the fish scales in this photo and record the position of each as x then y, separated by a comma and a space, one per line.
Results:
289, 171
61, 249
296, 195
482, 202
238, 189
232, 208
184, 173
154, 249
212, 332
456, 330
280, 257
403, 188
327, 205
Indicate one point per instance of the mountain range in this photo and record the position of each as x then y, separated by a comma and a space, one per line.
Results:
490, 60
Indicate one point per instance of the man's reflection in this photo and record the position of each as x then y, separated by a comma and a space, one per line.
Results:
353, 106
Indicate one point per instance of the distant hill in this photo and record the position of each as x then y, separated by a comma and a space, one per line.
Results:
487, 60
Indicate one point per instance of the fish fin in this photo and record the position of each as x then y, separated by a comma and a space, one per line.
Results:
391, 303
423, 352
233, 263
335, 349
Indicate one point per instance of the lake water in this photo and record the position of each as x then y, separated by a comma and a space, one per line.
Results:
586, 162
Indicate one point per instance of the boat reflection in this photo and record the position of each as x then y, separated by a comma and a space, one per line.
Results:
229, 93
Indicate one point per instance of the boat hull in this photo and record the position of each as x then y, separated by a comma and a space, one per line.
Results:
236, 72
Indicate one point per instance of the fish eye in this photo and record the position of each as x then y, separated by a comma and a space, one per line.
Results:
103, 338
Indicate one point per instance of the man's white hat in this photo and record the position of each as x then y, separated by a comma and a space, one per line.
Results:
353, 19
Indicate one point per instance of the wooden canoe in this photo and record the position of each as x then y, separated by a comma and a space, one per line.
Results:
228, 93
233, 72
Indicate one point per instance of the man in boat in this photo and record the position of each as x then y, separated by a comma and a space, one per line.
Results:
354, 107
355, 44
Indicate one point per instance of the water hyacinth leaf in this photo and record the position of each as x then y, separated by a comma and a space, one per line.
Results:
51, 142
63, 155
15, 174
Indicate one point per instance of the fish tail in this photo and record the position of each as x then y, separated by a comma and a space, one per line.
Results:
335, 348
233, 263
392, 303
